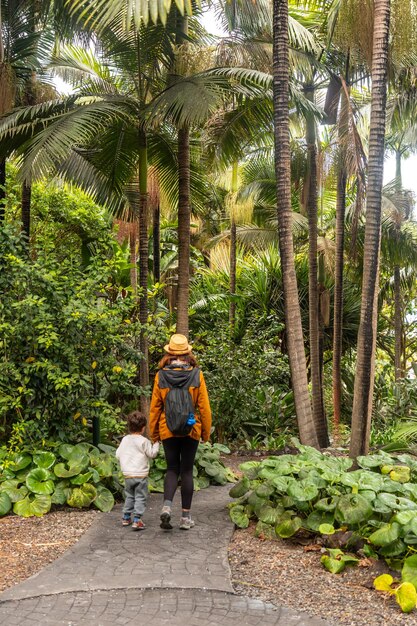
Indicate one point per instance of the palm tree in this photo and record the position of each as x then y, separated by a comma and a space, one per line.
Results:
295, 340
365, 366
102, 14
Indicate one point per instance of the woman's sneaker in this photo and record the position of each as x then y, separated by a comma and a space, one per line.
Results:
186, 523
166, 518
138, 524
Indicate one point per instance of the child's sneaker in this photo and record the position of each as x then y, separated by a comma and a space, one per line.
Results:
127, 520
138, 524
186, 523
166, 518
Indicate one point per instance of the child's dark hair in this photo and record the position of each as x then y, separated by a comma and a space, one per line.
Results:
136, 421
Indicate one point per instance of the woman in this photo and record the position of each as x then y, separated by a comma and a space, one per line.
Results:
178, 371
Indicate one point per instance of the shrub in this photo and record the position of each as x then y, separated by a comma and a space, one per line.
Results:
68, 345
248, 385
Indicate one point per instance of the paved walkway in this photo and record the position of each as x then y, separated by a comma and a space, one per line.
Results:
116, 576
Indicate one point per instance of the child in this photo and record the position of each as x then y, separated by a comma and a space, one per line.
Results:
134, 453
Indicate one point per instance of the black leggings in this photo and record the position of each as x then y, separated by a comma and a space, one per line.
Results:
180, 454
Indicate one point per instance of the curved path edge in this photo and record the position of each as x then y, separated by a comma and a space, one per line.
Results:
114, 575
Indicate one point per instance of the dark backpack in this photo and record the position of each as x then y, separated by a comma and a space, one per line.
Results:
179, 407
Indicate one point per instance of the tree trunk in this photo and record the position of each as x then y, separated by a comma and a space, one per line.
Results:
143, 267
365, 365
232, 284
294, 331
184, 217
313, 294
133, 260
2, 189
26, 202
157, 244
339, 262
398, 314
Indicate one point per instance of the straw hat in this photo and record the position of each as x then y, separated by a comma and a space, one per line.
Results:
178, 345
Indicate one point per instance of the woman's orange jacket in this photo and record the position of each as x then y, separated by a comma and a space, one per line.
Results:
157, 423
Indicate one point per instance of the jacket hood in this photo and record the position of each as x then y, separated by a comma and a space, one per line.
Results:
179, 378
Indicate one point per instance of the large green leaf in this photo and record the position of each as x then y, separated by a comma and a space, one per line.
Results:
44, 459
16, 493
239, 516
38, 481
395, 548
334, 566
62, 471
250, 469
317, 518
269, 514
82, 496
409, 570
104, 499
33, 505
303, 490
20, 461
103, 465
353, 509
65, 450
372, 461
395, 503
288, 527
61, 492
281, 483
326, 504
240, 488
10, 483
5, 503
203, 482
81, 478
265, 490
385, 535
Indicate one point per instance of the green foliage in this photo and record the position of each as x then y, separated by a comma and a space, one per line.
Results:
92, 478
248, 383
68, 345
208, 468
316, 492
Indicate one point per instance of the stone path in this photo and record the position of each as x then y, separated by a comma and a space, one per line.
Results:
116, 576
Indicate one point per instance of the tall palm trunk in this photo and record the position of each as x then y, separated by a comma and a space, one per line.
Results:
313, 293
2, 106
184, 218
184, 211
339, 262
232, 283
157, 243
365, 366
398, 314
26, 203
7, 94
143, 266
294, 329
2, 189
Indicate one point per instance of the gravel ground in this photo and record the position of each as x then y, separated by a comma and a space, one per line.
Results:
288, 574
28, 544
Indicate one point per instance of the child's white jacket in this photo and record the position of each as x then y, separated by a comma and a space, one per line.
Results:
134, 453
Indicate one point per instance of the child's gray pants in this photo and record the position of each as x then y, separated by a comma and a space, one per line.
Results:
136, 494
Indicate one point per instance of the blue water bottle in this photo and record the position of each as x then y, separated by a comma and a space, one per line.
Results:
191, 419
